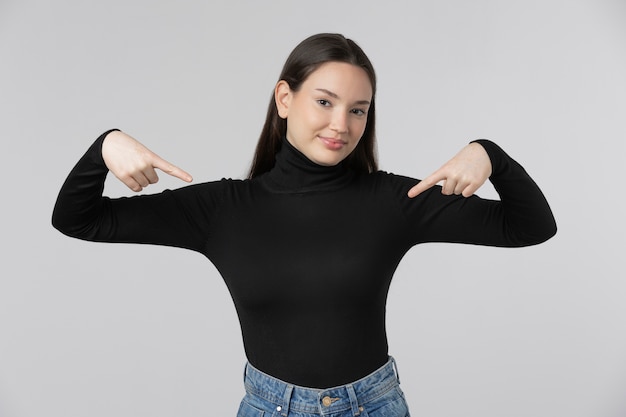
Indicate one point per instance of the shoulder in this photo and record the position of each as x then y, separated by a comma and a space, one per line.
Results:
223, 183
389, 180
215, 190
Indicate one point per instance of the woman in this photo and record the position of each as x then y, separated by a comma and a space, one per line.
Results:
308, 244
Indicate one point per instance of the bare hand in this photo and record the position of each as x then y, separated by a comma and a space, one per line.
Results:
134, 164
463, 174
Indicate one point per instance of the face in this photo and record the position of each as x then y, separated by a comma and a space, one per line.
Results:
327, 116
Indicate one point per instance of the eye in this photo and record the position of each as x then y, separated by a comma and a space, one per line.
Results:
358, 112
323, 102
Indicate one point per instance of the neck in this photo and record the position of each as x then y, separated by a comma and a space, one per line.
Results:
294, 172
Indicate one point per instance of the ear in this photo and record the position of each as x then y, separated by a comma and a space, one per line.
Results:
282, 97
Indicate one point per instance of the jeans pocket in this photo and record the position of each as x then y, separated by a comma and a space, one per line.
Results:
247, 410
392, 404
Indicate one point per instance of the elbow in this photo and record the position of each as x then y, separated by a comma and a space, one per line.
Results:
63, 223
545, 236
539, 235
57, 220
60, 223
78, 220
552, 231
549, 228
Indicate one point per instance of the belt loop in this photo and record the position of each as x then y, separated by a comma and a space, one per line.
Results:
353, 400
395, 368
286, 400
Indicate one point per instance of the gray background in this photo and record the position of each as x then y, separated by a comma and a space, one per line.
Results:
95, 330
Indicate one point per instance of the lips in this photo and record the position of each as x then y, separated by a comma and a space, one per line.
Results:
333, 143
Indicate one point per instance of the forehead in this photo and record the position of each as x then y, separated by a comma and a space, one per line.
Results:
342, 79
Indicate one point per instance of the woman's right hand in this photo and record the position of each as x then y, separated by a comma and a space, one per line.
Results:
134, 164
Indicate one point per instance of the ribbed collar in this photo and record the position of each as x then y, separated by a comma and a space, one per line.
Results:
296, 173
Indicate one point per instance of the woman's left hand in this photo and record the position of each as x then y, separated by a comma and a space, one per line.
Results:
463, 174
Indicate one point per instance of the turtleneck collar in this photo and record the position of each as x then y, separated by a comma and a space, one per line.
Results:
294, 172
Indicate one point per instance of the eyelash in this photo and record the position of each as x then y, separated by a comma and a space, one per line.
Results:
326, 103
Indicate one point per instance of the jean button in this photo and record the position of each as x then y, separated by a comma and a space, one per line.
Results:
327, 401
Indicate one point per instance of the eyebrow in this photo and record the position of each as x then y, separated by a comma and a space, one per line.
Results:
334, 95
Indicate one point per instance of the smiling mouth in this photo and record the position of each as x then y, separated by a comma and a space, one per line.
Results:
332, 143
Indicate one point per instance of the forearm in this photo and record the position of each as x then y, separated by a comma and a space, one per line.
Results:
521, 217
80, 202
527, 216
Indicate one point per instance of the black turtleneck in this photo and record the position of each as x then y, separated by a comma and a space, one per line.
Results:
294, 172
307, 251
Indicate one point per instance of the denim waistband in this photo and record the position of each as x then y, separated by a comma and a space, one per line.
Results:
351, 396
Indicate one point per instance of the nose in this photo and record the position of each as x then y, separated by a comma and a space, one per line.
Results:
339, 121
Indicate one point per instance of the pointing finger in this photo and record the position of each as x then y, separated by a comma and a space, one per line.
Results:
172, 170
425, 184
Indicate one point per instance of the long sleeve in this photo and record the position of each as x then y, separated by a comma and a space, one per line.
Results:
174, 218
521, 217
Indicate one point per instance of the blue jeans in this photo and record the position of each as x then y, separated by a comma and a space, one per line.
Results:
376, 395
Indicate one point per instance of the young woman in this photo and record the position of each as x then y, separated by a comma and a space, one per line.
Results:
308, 244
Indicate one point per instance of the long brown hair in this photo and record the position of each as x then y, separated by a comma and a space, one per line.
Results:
310, 54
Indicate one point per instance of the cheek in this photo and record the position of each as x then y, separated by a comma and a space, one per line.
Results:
307, 117
359, 128
317, 117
